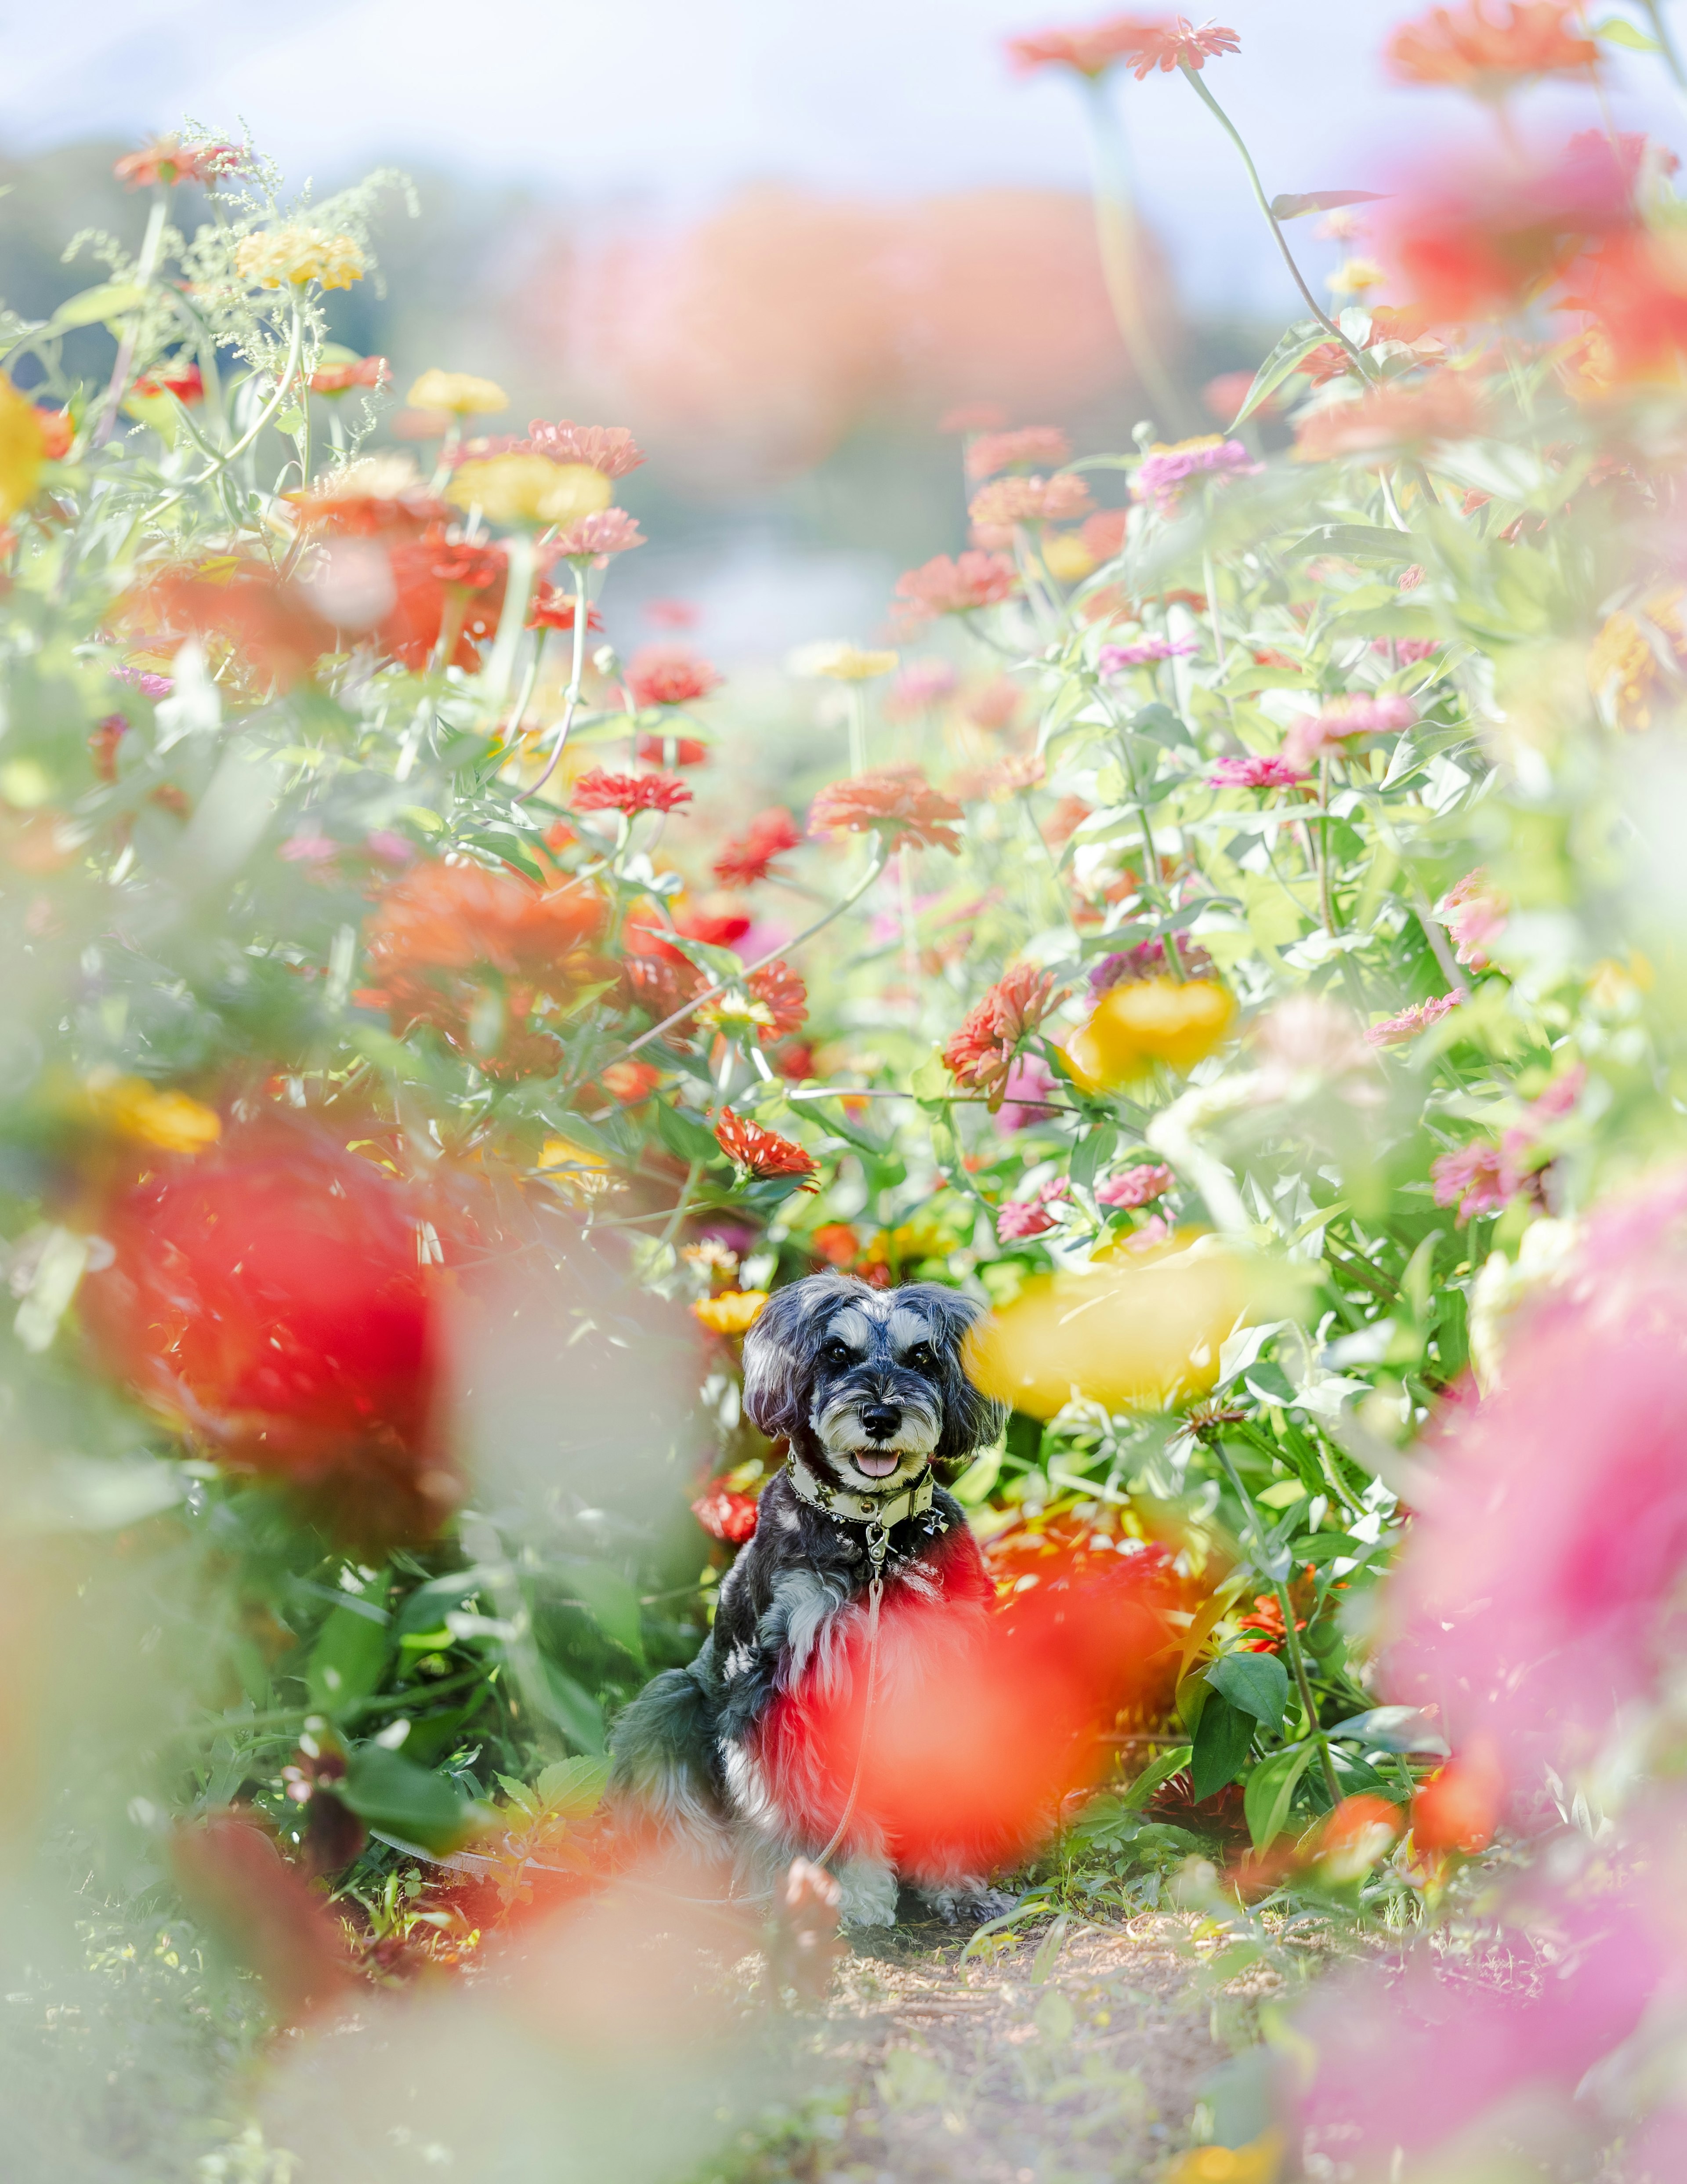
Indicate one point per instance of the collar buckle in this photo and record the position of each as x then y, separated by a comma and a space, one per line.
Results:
878, 1511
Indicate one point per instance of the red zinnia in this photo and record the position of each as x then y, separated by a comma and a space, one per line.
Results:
1179, 44
898, 803
980, 1052
58, 430
726, 1515
941, 586
341, 378
672, 750
769, 835
782, 994
553, 608
185, 381
1470, 50
597, 791
760, 1153
443, 584
271, 628
669, 674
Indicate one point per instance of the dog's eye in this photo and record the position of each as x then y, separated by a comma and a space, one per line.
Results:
837, 1353
921, 1358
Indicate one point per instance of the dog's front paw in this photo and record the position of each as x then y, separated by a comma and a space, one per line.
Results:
970, 1903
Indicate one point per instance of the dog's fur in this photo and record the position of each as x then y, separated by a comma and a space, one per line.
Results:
717, 1753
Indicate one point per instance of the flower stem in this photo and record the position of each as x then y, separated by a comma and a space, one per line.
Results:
577, 672
1115, 236
518, 590
1231, 131
875, 865
146, 266
1672, 58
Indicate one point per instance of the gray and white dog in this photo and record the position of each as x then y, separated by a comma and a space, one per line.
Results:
867, 1389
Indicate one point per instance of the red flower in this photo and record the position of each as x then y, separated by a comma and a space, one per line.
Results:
718, 922
270, 1297
1638, 289
769, 835
272, 629
1007, 503
1179, 44
597, 791
1031, 447
760, 1153
1469, 49
377, 495
443, 584
795, 1061
58, 430
672, 750
669, 674
102, 743
553, 608
168, 160
1090, 51
630, 1083
979, 1053
1459, 1807
341, 378
185, 381
591, 537
899, 803
941, 586
836, 1242
782, 994
724, 1515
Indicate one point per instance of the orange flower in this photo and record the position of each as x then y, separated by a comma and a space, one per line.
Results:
1008, 503
185, 380
898, 803
785, 998
377, 494
669, 674
770, 834
1030, 448
941, 586
57, 431
760, 1153
341, 378
979, 1053
1638, 290
1469, 49
443, 584
672, 750
836, 1242
597, 791
1458, 1807
1090, 51
1179, 44
168, 160
553, 608
1388, 421
630, 1082
273, 632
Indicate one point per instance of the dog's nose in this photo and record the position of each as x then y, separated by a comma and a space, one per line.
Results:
881, 1419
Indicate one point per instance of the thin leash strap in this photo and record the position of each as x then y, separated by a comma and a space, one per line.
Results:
879, 1546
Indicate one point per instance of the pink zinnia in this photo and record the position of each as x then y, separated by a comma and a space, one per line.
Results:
1473, 915
1028, 1078
1477, 1179
611, 449
1408, 650
1030, 1216
1134, 1186
1327, 733
590, 538
1256, 773
1394, 1031
1161, 475
597, 791
941, 586
669, 674
1008, 503
1031, 447
1114, 659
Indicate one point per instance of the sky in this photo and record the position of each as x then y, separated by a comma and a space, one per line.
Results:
671, 104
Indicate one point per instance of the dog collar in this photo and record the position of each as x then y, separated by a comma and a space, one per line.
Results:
883, 1510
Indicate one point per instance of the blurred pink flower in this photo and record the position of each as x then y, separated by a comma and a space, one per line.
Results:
1031, 1217
607, 531
1473, 915
1156, 1229
1179, 44
941, 586
1395, 1030
921, 683
1028, 1078
1162, 474
1308, 1038
1135, 1186
1408, 650
611, 449
1114, 659
1147, 960
1477, 1178
1002, 507
1030, 446
1329, 732
1256, 773
1089, 50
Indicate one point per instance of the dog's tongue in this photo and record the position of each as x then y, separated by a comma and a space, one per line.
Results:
877, 1464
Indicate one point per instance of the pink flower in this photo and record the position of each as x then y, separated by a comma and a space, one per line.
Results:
1473, 915
1179, 44
1134, 1186
1394, 1031
1004, 506
148, 685
941, 586
1033, 446
979, 1055
597, 791
1162, 474
1156, 1229
1477, 1179
1030, 1216
1027, 1080
1408, 650
1333, 729
922, 682
591, 537
1090, 51
1114, 659
1254, 773
611, 449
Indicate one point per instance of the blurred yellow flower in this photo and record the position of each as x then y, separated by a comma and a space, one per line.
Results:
1065, 556
23, 450
284, 257
1127, 1336
733, 1312
529, 489
131, 1108
1152, 1020
1259, 2162
579, 1174
737, 1016
1624, 669
842, 662
1355, 276
460, 391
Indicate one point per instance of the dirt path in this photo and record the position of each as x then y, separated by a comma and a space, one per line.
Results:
1068, 2056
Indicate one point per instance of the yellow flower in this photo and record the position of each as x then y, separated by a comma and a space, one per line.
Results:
131, 1108
736, 1015
460, 391
290, 256
529, 489
1355, 276
1130, 1337
1623, 669
1154, 1020
1259, 2162
841, 662
1065, 556
733, 1312
23, 450
580, 1174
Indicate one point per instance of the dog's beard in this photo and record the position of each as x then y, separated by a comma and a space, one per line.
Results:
844, 1437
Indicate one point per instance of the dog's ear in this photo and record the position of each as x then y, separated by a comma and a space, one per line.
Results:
781, 1348
971, 1420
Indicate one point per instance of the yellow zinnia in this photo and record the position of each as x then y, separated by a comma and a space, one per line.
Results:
1152, 1020
460, 391
1259, 2162
129, 1107
733, 1312
840, 661
1065, 556
285, 257
23, 450
529, 489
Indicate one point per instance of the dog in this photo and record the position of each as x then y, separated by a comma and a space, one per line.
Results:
867, 1389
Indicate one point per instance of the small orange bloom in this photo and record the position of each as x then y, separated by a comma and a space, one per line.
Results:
941, 586
981, 1052
1459, 1807
1470, 48
1007, 505
168, 160
836, 1242
597, 791
769, 836
899, 803
760, 1153
341, 378
669, 674
1179, 44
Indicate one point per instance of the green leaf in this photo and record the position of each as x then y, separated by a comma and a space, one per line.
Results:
347, 1661
1616, 32
573, 1787
613, 1603
391, 1793
1291, 207
1257, 1683
1360, 541
932, 1081
1170, 1763
1162, 725
1095, 1149
1221, 1746
1298, 343
686, 1136
576, 1713
93, 307
1269, 1791
426, 1605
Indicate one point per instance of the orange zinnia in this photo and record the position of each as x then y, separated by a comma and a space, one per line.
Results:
898, 803
1090, 51
1471, 50
1179, 44
597, 791
770, 834
758, 1152
1391, 419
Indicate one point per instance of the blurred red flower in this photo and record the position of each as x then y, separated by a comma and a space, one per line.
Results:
782, 994
597, 791
168, 160
447, 589
726, 1515
58, 430
717, 921
1459, 1807
1470, 49
836, 1242
942, 586
553, 608
1636, 286
341, 378
1388, 421
760, 1153
669, 674
898, 803
273, 632
378, 494
630, 1082
672, 750
769, 835
185, 380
